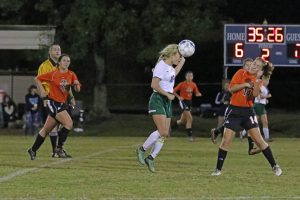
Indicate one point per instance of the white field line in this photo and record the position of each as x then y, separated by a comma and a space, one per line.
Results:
21, 172
210, 198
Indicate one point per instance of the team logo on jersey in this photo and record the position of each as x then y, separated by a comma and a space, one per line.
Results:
189, 91
172, 79
248, 92
64, 86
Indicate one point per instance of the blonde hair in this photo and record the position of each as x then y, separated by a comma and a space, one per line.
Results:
168, 51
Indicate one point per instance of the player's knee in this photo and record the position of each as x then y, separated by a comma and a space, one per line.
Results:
163, 133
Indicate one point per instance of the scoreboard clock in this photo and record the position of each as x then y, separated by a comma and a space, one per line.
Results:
279, 44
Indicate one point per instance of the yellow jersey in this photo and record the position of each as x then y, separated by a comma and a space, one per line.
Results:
47, 66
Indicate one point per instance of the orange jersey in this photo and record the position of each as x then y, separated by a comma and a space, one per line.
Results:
244, 97
60, 84
187, 89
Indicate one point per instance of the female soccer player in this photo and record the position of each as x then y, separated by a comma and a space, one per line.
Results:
220, 129
260, 107
244, 86
160, 103
186, 90
60, 82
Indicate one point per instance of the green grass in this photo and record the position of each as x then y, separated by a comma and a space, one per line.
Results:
106, 168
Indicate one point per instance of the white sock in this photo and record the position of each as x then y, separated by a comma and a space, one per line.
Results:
157, 147
53, 134
153, 137
244, 132
266, 133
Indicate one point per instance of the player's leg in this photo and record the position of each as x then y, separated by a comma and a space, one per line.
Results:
223, 149
162, 123
188, 125
48, 126
259, 141
67, 124
265, 125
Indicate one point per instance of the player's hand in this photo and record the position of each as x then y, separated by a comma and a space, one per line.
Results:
182, 60
180, 98
248, 85
73, 102
171, 96
45, 102
198, 95
76, 86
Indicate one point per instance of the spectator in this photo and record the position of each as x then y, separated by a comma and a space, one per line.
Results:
9, 111
32, 110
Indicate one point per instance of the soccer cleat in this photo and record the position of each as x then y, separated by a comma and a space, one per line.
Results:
60, 152
191, 138
216, 173
150, 164
140, 155
254, 151
54, 155
213, 136
67, 155
32, 154
277, 170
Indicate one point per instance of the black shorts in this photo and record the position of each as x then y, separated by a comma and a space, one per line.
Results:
221, 110
54, 107
185, 105
238, 118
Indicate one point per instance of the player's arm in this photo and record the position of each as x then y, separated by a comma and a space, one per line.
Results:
196, 91
180, 65
71, 97
155, 85
238, 87
40, 87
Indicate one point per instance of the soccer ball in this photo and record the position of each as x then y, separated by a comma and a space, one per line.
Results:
186, 48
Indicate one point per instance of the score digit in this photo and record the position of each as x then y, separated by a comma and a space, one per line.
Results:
297, 51
239, 50
265, 54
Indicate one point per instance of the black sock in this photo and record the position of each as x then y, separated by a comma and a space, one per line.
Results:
221, 158
269, 156
38, 142
142, 149
250, 143
150, 157
189, 132
53, 139
219, 130
62, 137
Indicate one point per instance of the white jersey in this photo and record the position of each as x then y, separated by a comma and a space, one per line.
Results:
264, 92
166, 74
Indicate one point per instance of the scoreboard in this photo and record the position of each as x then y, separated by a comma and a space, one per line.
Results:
279, 44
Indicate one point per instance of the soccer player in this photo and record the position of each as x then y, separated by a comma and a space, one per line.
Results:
186, 90
60, 82
244, 86
50, 65
220, 129
160, 103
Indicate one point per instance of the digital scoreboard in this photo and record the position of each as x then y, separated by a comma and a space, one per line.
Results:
279, 44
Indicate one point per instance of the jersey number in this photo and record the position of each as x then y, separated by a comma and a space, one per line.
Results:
253, 119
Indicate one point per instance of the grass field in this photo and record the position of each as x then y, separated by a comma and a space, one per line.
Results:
106, 168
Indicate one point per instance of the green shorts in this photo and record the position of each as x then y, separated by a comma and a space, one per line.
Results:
160, 105
260, 109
